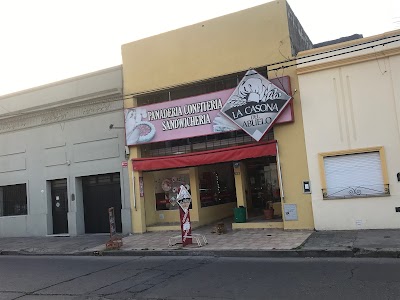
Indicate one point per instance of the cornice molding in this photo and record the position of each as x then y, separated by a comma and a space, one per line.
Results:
55, 104
348, 61
356, 42
64, 81
62, 113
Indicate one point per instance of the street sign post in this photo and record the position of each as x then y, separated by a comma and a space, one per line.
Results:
184, 199
111, 219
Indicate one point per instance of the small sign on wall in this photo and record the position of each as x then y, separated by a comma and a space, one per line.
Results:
290, 212
141, 186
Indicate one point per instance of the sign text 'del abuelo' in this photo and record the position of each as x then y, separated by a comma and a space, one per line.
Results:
196, 116
255, 104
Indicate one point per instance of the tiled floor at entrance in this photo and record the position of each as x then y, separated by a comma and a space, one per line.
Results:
253, 239
259, 222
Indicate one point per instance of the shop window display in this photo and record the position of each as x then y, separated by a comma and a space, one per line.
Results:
217, 184
167, 186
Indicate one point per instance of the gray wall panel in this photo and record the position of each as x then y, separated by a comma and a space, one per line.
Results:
13, 226
95, 150
55, 156
15, 162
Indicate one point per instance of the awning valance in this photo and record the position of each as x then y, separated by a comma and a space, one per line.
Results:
205, 157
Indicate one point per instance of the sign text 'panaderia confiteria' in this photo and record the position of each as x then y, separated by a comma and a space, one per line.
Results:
227, 110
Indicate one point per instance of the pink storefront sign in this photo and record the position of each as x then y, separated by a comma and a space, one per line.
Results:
188, 117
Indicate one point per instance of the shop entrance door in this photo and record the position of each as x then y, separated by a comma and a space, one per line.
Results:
100, 192
263, 183
59, 202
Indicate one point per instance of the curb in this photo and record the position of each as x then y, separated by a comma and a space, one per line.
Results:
298, 253
232, 253
25, 253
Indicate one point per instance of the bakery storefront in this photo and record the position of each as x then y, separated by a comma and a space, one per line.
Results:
220, 145
194, 117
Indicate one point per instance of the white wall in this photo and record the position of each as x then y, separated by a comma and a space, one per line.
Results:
348, 107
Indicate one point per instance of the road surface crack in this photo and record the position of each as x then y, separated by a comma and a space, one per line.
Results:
352, 273
148, 284
71, 279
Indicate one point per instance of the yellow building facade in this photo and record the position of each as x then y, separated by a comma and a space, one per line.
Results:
212, 57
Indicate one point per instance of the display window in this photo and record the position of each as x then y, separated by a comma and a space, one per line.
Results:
167, 184
217, 184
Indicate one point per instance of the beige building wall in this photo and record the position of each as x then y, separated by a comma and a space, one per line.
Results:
236, 42
349, 102
224, 45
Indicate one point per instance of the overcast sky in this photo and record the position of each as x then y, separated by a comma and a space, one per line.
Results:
43, 41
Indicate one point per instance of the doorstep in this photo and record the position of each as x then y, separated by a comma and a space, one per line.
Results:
58, 235
258, 225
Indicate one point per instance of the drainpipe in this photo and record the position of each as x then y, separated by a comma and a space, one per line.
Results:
279, 173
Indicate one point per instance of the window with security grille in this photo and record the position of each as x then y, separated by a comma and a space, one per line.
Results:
13, 200
354, 175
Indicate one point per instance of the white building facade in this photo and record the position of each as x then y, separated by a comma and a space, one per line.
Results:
351, 108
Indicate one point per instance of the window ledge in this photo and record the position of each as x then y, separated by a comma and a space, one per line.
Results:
13, 216
352, 192
356, 197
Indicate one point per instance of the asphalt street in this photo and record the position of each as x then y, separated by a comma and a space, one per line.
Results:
55, 277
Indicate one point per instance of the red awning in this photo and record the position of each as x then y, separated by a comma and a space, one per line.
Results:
205, 157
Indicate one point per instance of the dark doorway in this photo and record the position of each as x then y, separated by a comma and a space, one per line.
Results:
59, 203
263, 181
100, 192
263, 189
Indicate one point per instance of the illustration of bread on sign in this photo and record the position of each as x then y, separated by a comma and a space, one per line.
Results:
137, 130
253, 90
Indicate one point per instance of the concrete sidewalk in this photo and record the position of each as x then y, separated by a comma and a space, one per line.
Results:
273, 243
355, 240
246, 239
259, 243
51, 245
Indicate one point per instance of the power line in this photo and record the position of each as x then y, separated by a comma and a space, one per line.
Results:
334, 50
130, 96
333, 55
279, 63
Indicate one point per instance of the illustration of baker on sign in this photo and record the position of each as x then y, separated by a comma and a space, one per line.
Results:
137, 130
255, 104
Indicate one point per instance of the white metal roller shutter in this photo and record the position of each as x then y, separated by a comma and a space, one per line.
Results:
354, 174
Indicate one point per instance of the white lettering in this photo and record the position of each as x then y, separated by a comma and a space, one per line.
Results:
186, 122
164, 113
200, 107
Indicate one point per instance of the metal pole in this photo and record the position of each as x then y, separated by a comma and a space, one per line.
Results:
133, 190
279, 173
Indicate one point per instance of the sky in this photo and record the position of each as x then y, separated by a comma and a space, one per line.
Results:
44, 41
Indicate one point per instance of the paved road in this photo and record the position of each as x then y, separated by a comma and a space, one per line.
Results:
197, 278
